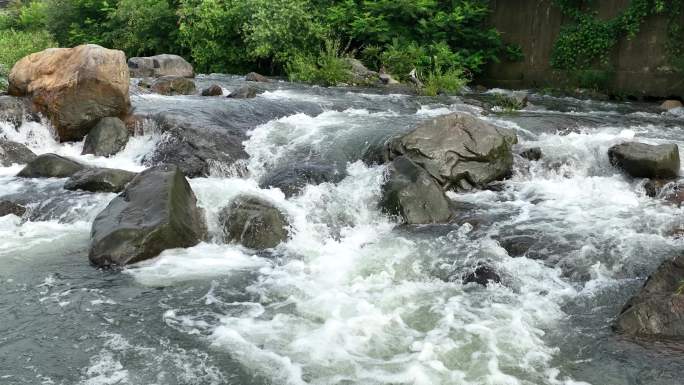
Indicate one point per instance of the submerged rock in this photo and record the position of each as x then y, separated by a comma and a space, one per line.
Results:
482, 275
671, 105
292, 178
74, 87
255, 77
160, 65
14, 153
642, 160
11, 208
99, 180
658, 309
245, 92
213, 90
413, 195
173, 85
108, 137
254, 223
532, 154
50, 166
460, 151
157, 211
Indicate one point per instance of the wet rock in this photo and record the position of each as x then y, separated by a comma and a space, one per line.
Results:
157, 211
16, 110
518, 246
11, 208
669, 191
359, 74
671, 105
254, 223
107, 138
658, 309
532, 154
510, 101
292, 178
413, 195
245, 92
255, 77
460, 151
160, 65
482, 275
99, 180
14, 153
173, 85
213, 90
74, 87
50, 166
642, 160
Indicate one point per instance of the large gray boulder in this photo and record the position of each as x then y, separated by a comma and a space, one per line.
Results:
108, 137
14, 153
173, 85
642, 160
254, 223
413, 195
50, 166
157, 211
160, 65
460, 151
99, 180
658, 309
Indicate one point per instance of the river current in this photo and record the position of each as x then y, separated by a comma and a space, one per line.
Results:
353, 297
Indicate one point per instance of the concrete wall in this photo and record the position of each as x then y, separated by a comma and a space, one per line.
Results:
641, 67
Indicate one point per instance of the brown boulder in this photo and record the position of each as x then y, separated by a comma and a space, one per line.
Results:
671, 105
74, 87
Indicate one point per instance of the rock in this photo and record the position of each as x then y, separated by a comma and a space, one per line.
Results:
532, 154
160, 65
74, 87
669, 191
173, 85
245, 92
518, 246
109, 136
99, 180
157, 211
359, 74
642, 160
658, 309
482, 275
255, 77
50, 166
14, 153
254, 223
11, 208
460, 151
413, 195
671, 105
213, 90
292, 178
387, 79
17, 110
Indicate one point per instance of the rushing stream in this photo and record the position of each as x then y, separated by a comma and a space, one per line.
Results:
352, 297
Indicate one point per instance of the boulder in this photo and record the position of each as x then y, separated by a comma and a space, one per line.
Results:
16, 110
157, 211
460, 151
50, 166
99, 180
482, 275
667, 190
359, 74
413, 195
14, 153
387, 79
254, 223
671, 105
532, 154
642, 160
213, 90
11, 208
173, 85
658, 309
292, 178
160, 65
74, 87
244, 92
255, 77
109, 136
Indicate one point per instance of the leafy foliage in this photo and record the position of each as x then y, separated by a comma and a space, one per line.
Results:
329, 68
14, 45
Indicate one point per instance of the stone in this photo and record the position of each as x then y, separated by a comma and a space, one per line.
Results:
460, 151
50, 166
14, 153
74, 87
157, 211
387, 79
17, 110
244, 92
11, 208
532, 154
411, 194
359, 74
254, 223
255, 77
213, 90
671, 105
160, 65
482, 275
658, 309
99, 180
292, 178
641, 160
173, 85
107, 138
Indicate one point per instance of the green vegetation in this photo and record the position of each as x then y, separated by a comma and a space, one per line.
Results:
16, 44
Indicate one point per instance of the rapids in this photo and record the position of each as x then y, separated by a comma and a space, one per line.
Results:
352, 297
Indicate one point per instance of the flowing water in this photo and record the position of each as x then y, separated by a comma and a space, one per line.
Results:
352, 297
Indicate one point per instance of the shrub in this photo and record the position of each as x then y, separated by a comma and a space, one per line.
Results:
329, 68
450, 82
144, 27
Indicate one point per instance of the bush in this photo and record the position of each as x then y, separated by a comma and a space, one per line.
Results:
144, 27
14, 45
450, 82
329, 68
